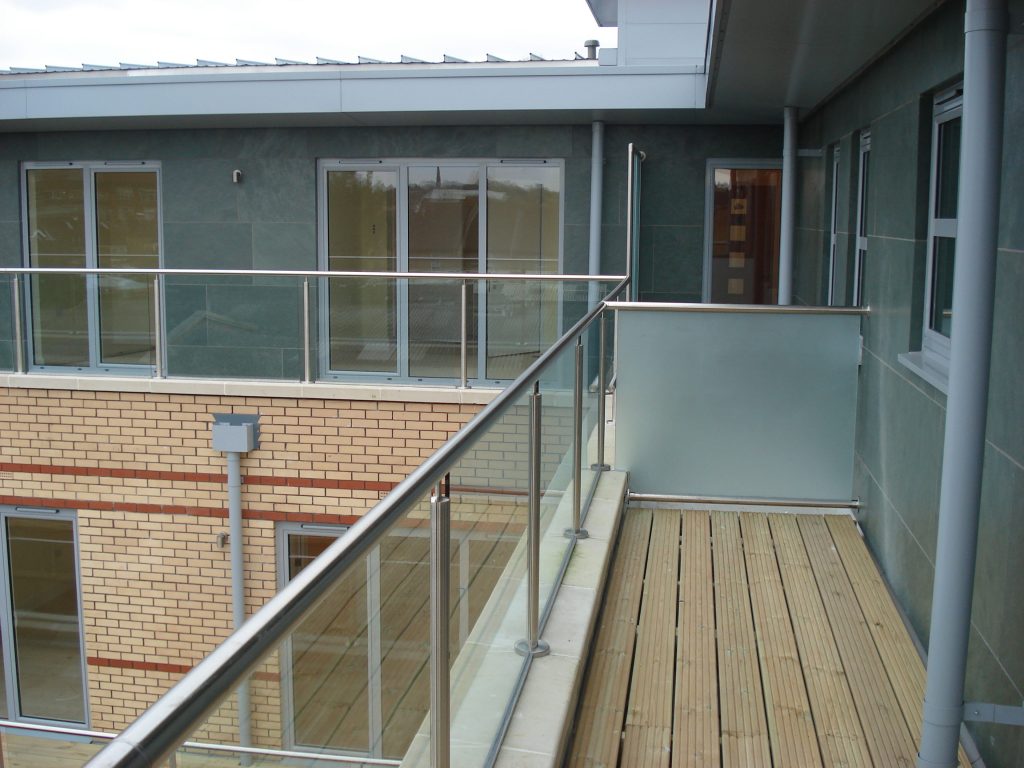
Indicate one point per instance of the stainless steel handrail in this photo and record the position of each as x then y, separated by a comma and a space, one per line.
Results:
757, 309
755, 501
80, 733
159, 730
498, 276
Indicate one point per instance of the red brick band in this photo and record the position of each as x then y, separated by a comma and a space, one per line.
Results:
325, 518
148, 666
197, 477
159, 666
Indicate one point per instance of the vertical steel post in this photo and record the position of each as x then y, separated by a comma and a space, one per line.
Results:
307, 372
158, 328
19, 341
238, 589
630, 152
577, 529
533, 645
602, 388
464, 337
985, 33
440, 583
788, 215
596, 195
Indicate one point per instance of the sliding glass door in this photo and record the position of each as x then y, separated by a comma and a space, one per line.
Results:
444, 216
88, 215
444, 236
40, 620
362, 236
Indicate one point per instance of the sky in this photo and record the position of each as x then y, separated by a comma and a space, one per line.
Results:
37, 33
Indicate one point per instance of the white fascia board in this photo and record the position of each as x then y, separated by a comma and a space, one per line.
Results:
178, 98
563, 92
346, 91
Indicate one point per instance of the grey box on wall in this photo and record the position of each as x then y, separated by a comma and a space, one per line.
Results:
236, 432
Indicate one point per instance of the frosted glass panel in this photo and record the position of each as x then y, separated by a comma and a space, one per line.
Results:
734, 404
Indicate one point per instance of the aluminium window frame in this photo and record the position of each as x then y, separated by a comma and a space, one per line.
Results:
283, 531
833, 245
402, 165
935, 347
711, 165
861, 243
375, 729
90, 168
7, 615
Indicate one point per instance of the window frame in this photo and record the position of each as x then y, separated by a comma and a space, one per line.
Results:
712, 164
935, 347
9, 670
402, 165
283, 532
90, 169
861, 241
833, 244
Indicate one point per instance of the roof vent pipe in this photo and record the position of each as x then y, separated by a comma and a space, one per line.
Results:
591, 46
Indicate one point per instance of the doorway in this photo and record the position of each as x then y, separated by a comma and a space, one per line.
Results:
741, 233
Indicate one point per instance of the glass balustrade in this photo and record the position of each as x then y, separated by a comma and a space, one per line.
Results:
289, 327
439, 581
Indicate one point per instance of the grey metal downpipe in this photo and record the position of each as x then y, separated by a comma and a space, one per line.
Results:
235, 434
234, 459
985, 31
786, 231
596, 193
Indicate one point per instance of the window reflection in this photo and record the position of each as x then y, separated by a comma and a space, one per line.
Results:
362, 210
444, 236
56, 238
522, 237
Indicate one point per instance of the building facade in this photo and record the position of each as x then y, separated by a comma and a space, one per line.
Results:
107, 473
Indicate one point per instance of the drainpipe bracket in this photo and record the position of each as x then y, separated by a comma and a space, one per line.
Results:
1000, 714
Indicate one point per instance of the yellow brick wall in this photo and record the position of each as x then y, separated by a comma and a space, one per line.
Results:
150, 498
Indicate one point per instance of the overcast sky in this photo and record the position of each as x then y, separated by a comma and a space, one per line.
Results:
36, 33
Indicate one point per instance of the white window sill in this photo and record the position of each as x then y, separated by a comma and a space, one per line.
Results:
250, 388
924, 366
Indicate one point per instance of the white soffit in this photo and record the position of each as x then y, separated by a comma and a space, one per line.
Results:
767, 55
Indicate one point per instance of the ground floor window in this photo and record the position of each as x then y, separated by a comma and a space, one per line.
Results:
355, 675
89, 215
40, 618
742, 229
453, 216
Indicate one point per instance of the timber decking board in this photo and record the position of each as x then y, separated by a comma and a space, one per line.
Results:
837, 725
603, 705
696, 697
790, 727
788, 651
889, 739
648, 734
744, 727
886, 625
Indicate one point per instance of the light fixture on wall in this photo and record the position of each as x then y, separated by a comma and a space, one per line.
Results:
236, 176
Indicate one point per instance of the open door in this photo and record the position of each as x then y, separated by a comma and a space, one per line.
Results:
636, 160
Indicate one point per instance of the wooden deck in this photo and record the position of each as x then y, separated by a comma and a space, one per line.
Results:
747, 639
